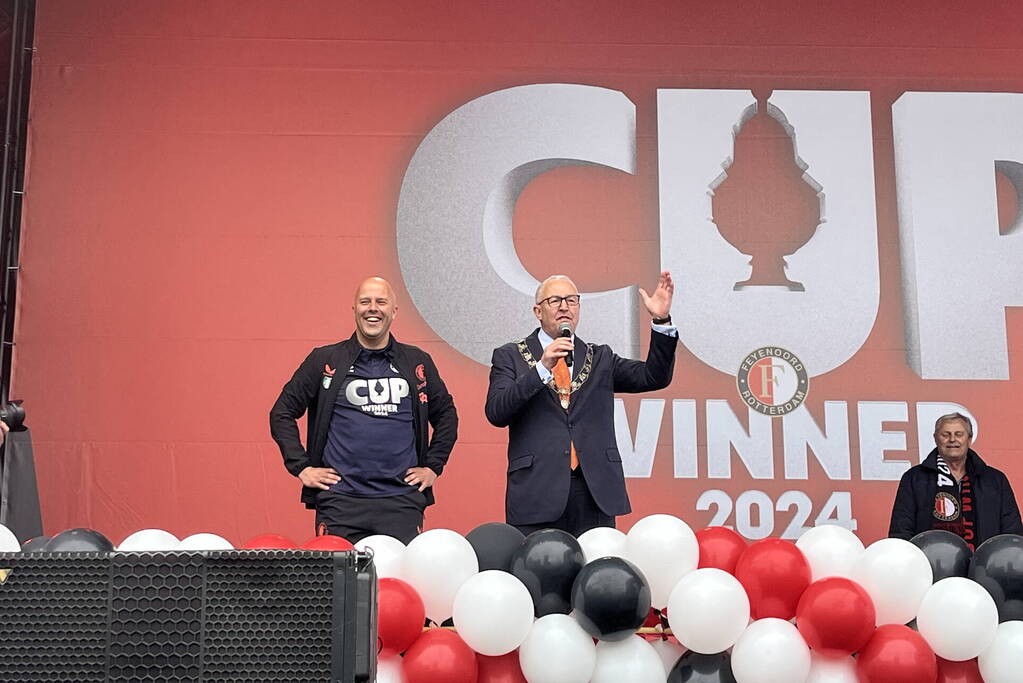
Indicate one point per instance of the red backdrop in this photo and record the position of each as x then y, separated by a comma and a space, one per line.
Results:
209, 180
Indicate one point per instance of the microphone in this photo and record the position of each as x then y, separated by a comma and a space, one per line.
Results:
565, 330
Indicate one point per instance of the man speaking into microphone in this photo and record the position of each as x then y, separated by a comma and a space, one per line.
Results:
555, 393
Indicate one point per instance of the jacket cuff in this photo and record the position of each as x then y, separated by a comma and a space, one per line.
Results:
295, 469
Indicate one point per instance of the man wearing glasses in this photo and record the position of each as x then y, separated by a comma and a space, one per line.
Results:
555, 393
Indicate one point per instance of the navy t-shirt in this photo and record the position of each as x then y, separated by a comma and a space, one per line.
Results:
371, 441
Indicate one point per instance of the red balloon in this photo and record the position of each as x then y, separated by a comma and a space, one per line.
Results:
400, 616
896, 653
774, 573
269, 542
327, 542
720, 548
440, 656
503, 669
835, 616
958, 672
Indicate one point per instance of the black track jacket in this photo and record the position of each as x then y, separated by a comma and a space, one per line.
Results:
305, 392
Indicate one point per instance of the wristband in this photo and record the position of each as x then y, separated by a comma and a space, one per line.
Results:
662, 321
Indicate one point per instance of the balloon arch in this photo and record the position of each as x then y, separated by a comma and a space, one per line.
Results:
662, 603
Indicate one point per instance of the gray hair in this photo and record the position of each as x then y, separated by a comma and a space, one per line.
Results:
955, 417
540, 288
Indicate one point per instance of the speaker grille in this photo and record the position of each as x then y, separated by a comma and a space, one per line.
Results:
156, 610
268, 617
53, 609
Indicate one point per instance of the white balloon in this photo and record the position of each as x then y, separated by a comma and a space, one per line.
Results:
557, 650
708, 610
153, 540
602, 541
631, 660
1000, 662
832, 669
958, 619
665, 549
387, 554
831, 550
494, 612
205, 541
669, 652
436, 563
896, 575
8, 541
389, 670
770, 651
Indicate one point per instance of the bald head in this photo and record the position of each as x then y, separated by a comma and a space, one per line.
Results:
375, 284
375, 310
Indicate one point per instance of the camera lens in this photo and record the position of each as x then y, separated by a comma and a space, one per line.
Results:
12, 414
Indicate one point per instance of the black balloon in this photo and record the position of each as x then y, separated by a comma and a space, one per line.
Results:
947, 553
495, 543
998, 567
547, 563
35, 545
611, 598
692, 667
79, 541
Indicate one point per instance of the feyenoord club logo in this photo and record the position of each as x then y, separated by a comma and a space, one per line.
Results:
772, 381
946, 507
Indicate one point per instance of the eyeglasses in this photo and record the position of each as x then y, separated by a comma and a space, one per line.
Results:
555, 301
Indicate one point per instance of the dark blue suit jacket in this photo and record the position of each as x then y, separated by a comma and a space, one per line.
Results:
540, 430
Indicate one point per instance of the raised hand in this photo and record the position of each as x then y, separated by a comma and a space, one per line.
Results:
658, 304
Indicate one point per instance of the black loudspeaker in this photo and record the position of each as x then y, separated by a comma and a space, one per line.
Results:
226, 615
